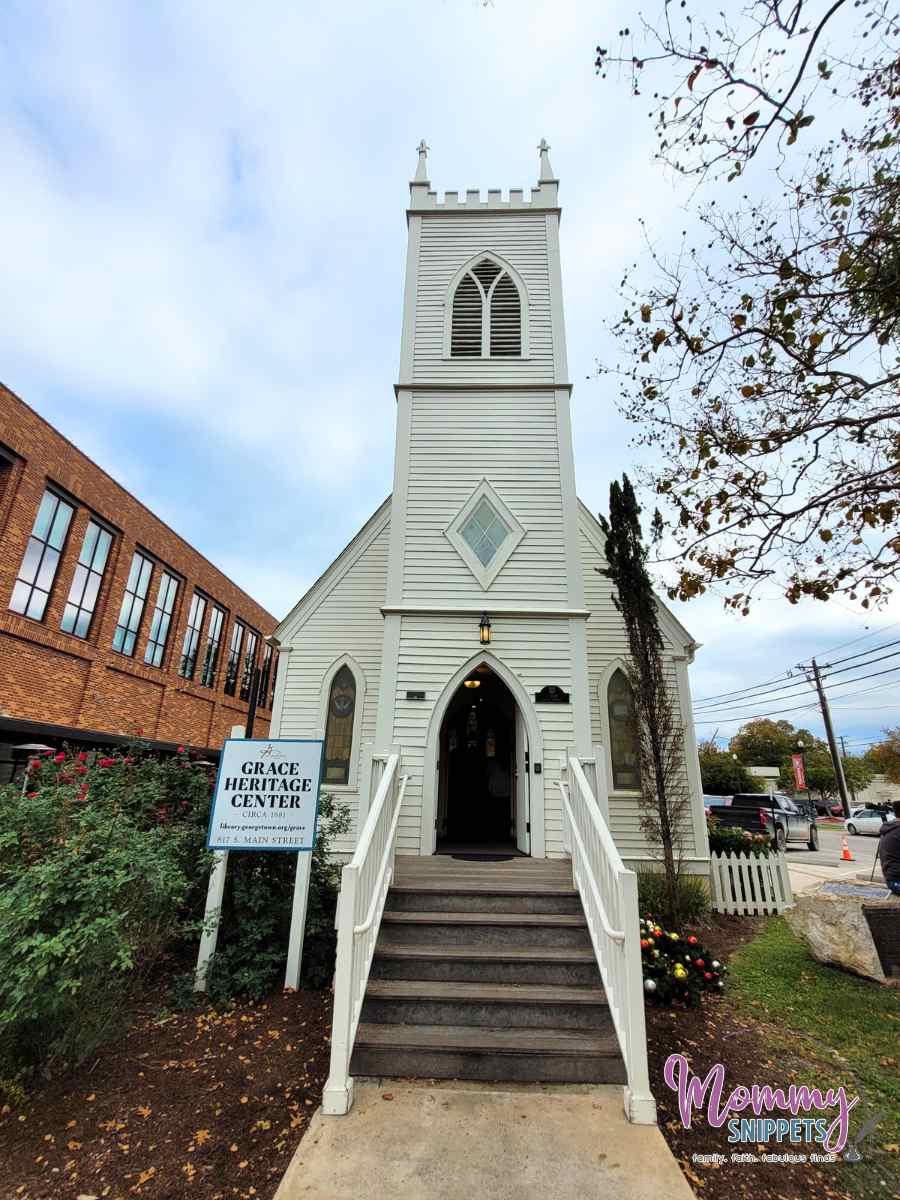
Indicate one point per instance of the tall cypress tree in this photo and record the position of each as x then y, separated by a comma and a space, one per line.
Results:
665, 793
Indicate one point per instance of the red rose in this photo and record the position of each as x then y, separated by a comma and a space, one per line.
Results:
106, 762
81, 770
707, 974
58, 758
128, 760
34, 764
644, 944
46, 753
698, 962
31, 795
82, 756
692, 940
181, 749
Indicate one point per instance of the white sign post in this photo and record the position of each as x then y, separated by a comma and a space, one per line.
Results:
266, 798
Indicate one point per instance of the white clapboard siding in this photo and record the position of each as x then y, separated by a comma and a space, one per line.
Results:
749, 886
432, 650
347, 621
607, 644
456, 440
446, 244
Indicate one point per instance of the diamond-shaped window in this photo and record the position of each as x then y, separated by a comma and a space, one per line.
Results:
485, 533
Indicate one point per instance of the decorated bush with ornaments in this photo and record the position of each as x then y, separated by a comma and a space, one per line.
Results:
678, 968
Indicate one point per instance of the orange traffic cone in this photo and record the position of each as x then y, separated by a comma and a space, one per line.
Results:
846, 856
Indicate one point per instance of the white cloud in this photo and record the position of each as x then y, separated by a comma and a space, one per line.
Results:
204, 238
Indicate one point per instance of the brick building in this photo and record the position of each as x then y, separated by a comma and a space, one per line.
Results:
109, 621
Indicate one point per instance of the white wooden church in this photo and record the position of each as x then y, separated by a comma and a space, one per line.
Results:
463, 661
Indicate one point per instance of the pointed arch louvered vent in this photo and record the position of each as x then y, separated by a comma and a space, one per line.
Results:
506, 319
468, 318
486, 317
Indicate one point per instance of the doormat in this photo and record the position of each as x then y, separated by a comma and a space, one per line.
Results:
485, 857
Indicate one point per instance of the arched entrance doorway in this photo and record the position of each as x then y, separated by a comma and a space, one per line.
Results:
483, 801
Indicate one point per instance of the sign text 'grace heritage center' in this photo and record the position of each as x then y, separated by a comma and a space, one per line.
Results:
267, 794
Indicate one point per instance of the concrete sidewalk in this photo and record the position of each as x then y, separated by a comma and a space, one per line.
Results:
459, 1141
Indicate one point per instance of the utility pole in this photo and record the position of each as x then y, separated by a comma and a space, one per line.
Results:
844, 755
832, 745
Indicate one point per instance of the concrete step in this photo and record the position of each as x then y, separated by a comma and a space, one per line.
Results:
492, 1005
474, 1052
487, 896
485, 929
552, 965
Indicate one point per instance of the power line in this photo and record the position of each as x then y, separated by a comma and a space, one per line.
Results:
800, 708
755, 701
863, 638
861, 654
769, 697
753, 687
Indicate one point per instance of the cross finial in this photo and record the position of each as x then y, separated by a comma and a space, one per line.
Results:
546, 169
421, 175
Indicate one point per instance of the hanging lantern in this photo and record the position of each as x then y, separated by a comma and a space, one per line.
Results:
484, 629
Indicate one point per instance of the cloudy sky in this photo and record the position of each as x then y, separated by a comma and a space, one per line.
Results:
203, 242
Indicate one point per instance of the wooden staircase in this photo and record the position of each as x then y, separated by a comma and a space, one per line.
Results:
485, 970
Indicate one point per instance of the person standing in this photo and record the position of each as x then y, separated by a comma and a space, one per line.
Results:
889, 850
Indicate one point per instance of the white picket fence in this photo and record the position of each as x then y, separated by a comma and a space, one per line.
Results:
749, 886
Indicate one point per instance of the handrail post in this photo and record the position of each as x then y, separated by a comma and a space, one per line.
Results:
337, 1097
640, 1107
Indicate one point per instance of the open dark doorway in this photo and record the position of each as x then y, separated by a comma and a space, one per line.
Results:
479, 768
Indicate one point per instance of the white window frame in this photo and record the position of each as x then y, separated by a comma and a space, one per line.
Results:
484, 574
486, 313
346, 660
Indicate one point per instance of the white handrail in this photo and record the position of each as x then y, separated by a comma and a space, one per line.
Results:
365, 882
617, 935
386, 872
608, 892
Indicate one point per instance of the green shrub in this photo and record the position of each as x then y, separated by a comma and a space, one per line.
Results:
692, 896
677, 967
256, 916
103, 870
94, 886
725, 839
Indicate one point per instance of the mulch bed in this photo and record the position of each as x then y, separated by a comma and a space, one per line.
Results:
207, 1105
712, 1034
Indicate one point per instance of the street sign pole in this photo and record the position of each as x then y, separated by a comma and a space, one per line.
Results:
213, 914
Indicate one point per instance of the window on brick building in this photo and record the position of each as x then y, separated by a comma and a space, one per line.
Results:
233, 669
42, 554
86, 581
249, 664
265, 676
213, 638
192, 637
129, 622
7, 461
161, 620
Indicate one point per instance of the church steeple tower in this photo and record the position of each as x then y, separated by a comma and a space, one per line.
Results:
484, 513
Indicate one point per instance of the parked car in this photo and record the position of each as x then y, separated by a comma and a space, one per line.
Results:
711, 802
776, 815
867, 820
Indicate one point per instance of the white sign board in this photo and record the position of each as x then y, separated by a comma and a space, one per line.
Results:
267, 795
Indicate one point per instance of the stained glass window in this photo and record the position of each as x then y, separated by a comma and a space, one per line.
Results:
624, 743
339, 727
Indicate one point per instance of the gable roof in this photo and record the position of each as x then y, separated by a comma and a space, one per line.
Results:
333, 574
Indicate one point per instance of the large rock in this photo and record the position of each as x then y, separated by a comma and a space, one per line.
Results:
831, 920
